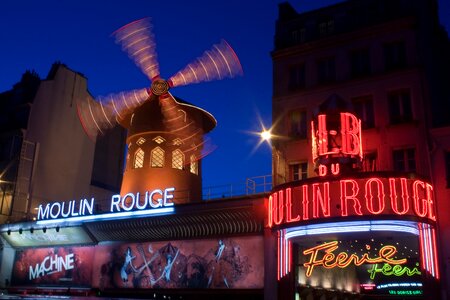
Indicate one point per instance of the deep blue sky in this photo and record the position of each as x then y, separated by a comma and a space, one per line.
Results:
34, 34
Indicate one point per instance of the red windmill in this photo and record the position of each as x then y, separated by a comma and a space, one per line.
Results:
165, 135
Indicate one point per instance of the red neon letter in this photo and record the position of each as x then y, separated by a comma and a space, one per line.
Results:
420, 205
270, 212
289, 218
430, 201
322, 134
321, 202
305, 202
335, 169
352, 196
350, 129
393, 195
322, 170
278, 209
313, 142
369, 196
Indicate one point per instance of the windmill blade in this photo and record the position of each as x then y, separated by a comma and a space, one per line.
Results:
138, 41
190, 135
96, 116
217, 63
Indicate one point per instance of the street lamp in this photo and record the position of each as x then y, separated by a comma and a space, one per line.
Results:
266, 135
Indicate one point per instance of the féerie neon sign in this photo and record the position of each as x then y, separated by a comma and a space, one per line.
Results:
342, 260
397, 270
129, 202
351, 197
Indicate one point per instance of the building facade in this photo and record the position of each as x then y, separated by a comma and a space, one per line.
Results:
45, 152
381, 62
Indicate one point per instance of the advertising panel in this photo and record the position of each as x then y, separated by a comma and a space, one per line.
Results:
214, 263
69, 266
65, 236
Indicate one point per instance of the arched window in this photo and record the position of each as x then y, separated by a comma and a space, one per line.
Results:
159, 139
157, 158
194, 164
138, 159
177, 159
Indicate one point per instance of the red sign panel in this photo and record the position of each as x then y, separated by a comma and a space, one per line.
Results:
70, 266
352, 197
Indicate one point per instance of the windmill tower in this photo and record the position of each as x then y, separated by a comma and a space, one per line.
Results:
166, 136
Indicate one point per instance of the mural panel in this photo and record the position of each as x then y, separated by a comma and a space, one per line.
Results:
218, 263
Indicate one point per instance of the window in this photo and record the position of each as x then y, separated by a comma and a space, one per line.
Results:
159, 139
157, 158
363, 107
177, 142
140, 141
297, 77
297, 124
400, 110
177, 159
369, 163
194, 164
360, 63
405, 160
138, 159
299, 35
298, 171
326, 27
394, 55
326, 70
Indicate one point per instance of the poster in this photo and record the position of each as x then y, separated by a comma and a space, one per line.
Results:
214, 263
68, 266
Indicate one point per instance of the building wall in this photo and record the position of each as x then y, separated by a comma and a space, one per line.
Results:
63, 164
303, 40
54, 160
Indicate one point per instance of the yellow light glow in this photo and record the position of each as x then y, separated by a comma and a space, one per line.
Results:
266, 135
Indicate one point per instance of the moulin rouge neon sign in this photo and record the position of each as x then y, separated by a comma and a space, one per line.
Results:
129, 202
351, 197
331, 260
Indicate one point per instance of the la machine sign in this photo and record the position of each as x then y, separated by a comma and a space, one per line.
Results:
350, 197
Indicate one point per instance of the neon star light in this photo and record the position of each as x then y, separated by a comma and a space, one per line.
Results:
342, 260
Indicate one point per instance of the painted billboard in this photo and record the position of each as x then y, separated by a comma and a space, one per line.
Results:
213, 263
70, 266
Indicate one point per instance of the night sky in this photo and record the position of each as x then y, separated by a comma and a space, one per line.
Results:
35, 34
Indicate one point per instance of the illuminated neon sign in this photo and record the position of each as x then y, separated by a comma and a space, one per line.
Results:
397, 270
336, 139
351, 197
405, 292
342, 260
119, 205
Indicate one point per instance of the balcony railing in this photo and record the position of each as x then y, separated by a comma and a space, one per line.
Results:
251, 186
